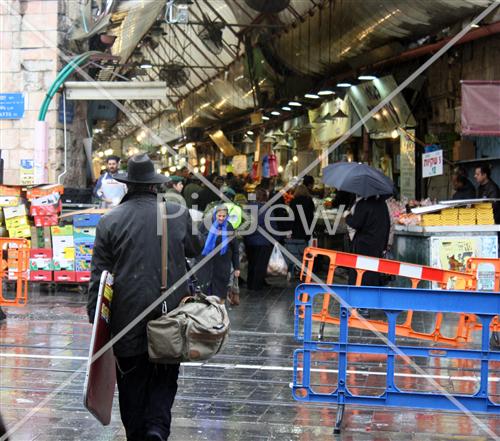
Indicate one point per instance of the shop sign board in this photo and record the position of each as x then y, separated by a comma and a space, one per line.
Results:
452, 253
432, 164
395, 113
11, 105
407, 165
27, 172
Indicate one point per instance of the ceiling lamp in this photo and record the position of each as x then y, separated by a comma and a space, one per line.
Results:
326, 92
345, 84
211, 35
311, 96
278, 132
288, 109
265, 118
268, 139
146, 64
367, 77
339, 114
249, 132
268, 6
275, 113
247, 140
294, 104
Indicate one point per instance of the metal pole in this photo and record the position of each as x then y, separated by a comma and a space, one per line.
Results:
65, 140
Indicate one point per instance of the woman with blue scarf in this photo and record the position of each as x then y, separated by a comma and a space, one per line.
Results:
215, 274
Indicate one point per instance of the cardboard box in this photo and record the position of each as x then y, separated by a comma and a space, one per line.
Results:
83, 276
41, 276
41, 259
86, 220
44, 190
46, 221
41, 237
17, 211
63, 247
9, 191
464, 150
46, 210
83, 264
84, 234
59, 264
67, 230
20, 232
9, 201
16, 222
83, 250
64, 276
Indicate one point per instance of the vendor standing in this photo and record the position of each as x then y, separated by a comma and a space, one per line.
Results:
488, 188
107, 189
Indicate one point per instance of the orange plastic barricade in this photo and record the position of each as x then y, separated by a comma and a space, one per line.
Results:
416, 273
486, 273
14, 269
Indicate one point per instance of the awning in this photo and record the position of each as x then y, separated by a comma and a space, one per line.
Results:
481, 108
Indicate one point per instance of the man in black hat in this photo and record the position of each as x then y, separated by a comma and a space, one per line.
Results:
107, 189
127, 244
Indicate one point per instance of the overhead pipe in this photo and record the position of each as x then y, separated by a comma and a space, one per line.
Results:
475, 34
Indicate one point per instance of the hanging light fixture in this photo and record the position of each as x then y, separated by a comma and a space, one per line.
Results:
275, 113
294, 104
146, 64
265, 118
326, 92
367, 77
312, 96
288, 109
344, 84
339, 114
247, 140
278, 132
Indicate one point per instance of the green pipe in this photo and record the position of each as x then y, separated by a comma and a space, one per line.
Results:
50, 93
60, 79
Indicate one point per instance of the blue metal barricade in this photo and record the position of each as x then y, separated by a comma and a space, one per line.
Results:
392, 301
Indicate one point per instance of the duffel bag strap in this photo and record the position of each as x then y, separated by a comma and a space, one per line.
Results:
164, 244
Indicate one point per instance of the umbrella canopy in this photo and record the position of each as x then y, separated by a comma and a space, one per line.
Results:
361, 179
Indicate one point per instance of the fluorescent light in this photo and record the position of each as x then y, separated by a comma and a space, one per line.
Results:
295, 104
311, 96
100, 154
275, 113
326, 92
146, 65
288, 109
265, 118
474, 25
344, 85
203, 161
367, 77
280, 169
249, 132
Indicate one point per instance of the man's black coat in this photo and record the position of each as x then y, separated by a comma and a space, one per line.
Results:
127, 244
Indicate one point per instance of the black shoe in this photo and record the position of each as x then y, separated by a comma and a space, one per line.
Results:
3, 317
154, 435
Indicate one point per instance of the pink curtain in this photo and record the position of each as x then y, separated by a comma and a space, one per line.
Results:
481, 108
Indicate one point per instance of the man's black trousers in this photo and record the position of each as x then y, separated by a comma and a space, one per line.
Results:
146, 393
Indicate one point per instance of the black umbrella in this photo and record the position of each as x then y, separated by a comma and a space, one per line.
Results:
361, 179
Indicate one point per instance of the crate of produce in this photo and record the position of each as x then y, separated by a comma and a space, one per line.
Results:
44, 190
20, 232
86, 220
46, 221
82, 276
67, 230
9, 201
15, 211
46, 210
16, 222
41, 276
64, 276
84, 234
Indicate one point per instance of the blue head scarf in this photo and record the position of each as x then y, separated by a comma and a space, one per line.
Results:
214, 232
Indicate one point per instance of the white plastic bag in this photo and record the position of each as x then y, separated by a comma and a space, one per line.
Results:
277, 265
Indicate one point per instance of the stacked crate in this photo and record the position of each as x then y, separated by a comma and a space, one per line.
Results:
45, 204
484, 213
63, 253
84, 237
467, 216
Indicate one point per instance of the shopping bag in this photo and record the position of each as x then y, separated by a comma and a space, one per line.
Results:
277, 265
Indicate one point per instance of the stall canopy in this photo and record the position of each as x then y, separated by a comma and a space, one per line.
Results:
481, 108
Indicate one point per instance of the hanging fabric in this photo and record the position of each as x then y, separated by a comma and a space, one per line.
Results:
265, 167
273, 165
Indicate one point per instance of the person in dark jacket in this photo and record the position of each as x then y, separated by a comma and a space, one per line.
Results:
3, 430
257, 247
488, 189
302, 207
371, 221
208, 195
463, 188
214, 276
127, 245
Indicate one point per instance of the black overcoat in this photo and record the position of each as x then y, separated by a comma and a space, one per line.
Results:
127, 244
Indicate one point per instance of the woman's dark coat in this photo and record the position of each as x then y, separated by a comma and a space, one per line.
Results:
215, 274
128, 245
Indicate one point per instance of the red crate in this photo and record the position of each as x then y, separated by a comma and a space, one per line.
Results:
64, 276
83, 276
46, 221
45, 210
41, 276
40, 253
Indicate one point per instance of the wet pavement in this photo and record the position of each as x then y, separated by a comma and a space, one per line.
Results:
242, 394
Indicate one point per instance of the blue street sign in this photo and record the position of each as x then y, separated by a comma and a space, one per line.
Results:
11, 105
70, 111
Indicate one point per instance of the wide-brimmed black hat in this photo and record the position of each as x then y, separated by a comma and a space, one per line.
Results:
141, 170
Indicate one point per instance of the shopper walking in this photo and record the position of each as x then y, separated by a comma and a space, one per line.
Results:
215, 275
258, 248
127, 244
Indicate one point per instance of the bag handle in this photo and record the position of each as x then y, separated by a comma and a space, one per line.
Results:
164, 245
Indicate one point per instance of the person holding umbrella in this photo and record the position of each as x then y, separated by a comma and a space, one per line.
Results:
369, 217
